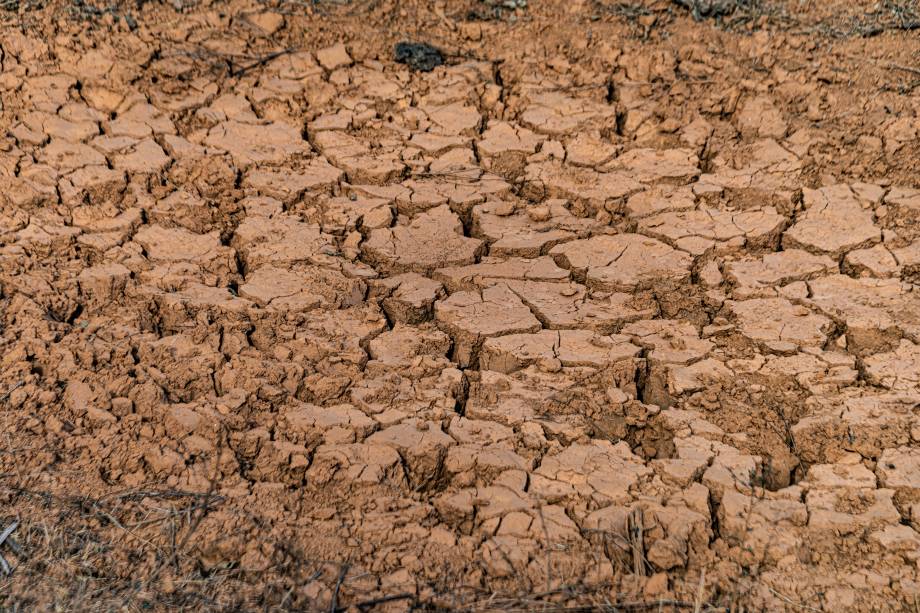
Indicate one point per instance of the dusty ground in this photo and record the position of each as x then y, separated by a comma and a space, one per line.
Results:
616, 309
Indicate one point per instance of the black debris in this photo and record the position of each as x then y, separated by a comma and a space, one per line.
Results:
712, 8
419, 56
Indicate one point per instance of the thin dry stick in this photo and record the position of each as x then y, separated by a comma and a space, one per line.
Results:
699, 593
11, 390
636, 532
895, 66
382, 600
884, 64
800, 605
9, 530
260, 61
549, 548
4, 565
338, 586
613, 607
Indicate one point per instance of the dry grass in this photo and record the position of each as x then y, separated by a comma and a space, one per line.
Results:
82, 553
134, 550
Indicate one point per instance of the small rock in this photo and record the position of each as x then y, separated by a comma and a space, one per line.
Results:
503, 208
418, 56
269, 23
471, 31
657, 584
333, 57
539, 213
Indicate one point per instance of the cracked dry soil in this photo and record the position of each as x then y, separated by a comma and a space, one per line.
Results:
614, 309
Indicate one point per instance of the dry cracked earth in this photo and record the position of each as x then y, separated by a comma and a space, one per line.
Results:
613, 309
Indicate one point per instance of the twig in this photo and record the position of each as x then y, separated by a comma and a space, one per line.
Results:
11, 390
884, 64
140, 494
549, 547
205, 508
790, 601
7, 539
262, 60
699, 593
338, 586
910, 69
636, 533
174, 513
16, 547
605, 608
4, 565
376, 601
9, 530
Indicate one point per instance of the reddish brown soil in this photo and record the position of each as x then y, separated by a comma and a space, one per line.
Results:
615, 309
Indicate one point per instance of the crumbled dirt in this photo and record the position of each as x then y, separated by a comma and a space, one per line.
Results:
603, 306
